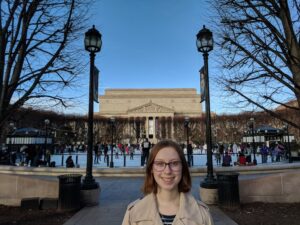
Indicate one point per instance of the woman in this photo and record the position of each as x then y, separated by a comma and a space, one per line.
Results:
166, 187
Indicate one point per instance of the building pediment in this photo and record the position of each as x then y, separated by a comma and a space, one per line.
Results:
151, 108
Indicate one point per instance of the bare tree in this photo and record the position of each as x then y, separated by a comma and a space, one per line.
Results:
260, 52
38, 57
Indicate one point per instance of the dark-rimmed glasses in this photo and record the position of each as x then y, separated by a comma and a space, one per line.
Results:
159, 166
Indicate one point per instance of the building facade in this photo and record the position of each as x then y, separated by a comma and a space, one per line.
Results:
151, 107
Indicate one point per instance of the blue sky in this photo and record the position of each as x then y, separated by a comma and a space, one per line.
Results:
150, 44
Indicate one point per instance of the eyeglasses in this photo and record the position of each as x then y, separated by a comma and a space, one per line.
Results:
159, 166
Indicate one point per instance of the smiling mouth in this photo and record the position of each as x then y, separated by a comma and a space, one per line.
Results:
169, 179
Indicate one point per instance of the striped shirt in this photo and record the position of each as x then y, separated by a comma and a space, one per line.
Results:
167, 220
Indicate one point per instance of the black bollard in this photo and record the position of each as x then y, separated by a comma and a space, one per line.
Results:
124, 163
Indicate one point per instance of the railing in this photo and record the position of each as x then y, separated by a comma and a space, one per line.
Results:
124, 160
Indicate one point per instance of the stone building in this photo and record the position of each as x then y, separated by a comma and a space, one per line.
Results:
154, 109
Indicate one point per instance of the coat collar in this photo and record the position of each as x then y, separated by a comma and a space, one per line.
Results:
146, 209
188, 209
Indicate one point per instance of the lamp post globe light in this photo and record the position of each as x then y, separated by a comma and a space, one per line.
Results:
92, 43
112, 124
186, 125
209, 185
253, 141
12, 125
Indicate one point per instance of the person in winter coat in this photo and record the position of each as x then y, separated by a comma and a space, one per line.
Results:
167, 187
226, 160
70, 162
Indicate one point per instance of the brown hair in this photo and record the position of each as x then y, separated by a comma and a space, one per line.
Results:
150, 185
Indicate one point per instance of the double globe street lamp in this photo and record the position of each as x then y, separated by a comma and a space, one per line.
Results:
205, 45
47, 122
186, 125
112, 124
92, 43
286, 129
253, 140
12, 129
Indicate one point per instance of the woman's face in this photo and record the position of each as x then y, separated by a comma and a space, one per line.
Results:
167, 169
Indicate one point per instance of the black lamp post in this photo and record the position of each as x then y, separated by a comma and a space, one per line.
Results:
12, 129
92, 43
47, 122
75, 142
137, 130
205, 44
253, 141
186, 125
286, 128
234, 137
112, 124
215, 135
10, 152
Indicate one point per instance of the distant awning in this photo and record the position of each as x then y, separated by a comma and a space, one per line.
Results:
28, 140
28, 132
265, 129
28, 136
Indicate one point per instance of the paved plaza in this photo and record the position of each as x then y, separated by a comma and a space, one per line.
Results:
117, 193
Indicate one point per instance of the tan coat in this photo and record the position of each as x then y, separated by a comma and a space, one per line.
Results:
145, 212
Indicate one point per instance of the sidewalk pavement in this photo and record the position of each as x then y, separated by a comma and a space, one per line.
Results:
117, 193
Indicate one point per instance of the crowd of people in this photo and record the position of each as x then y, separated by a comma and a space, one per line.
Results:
31, 155
36, 155
222, 152
276, 151
104, 149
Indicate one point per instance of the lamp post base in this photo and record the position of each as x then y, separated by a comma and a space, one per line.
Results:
209, 191
254, 162
189, 160
111, 164
89, 183
90, 197
289, 156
